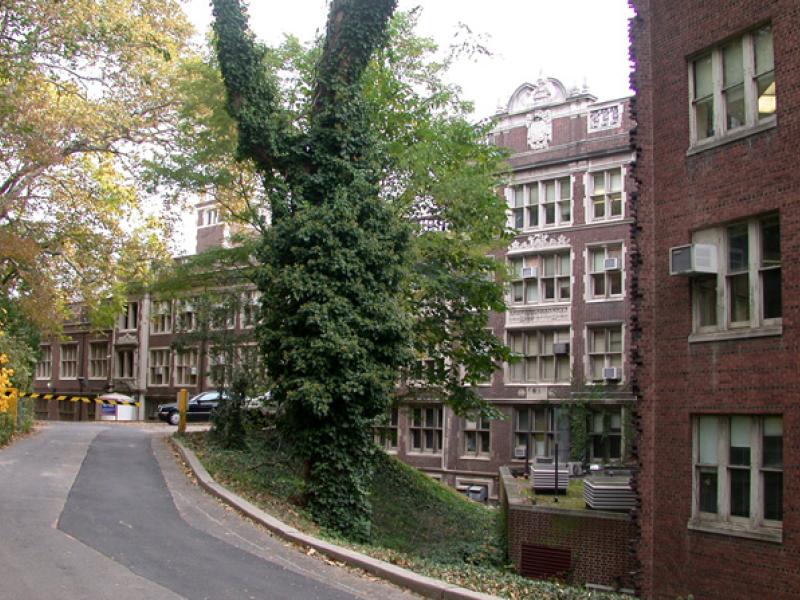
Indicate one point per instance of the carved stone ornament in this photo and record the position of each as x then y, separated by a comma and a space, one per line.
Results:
127, 339
545, 315
538, 241
540, 130
608, 117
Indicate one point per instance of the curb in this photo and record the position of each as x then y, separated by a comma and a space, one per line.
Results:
425, 586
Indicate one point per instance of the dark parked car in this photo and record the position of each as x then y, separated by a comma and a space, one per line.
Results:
199, 409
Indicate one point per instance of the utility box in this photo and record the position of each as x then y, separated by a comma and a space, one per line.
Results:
479, 493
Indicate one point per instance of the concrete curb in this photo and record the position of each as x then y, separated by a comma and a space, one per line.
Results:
425, 586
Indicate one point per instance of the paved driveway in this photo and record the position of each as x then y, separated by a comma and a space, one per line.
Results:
94, 511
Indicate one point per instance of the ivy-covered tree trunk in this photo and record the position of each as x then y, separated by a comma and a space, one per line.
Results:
333, 331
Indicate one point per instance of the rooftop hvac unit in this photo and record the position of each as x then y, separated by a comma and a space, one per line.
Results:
575, 469
609, 492
611, 264
561, 348
693, 259
612, 373
530, 272
543, 475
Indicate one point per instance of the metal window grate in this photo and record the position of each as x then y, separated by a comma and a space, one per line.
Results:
543, 562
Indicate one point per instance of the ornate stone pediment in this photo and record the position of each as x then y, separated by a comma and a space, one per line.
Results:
546, 90
538, 241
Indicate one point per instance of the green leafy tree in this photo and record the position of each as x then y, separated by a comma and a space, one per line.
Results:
86, 89
334, 332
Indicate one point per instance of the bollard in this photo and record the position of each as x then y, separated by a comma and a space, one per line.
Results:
183, 402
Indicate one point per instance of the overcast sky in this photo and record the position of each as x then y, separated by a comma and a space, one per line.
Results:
571, 40
575, 41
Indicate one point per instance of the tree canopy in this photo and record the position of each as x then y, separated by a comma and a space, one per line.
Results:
88, 89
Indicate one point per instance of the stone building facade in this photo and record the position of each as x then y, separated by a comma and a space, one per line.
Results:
715, 321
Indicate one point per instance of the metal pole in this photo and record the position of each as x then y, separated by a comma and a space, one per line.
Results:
183, 401
556, 496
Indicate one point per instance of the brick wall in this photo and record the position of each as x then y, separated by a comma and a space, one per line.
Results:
601, 543
680, 193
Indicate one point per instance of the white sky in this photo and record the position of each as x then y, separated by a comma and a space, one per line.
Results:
571, 40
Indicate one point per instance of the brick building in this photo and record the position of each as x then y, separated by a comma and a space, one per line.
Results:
568, 302
568, 197
718, 92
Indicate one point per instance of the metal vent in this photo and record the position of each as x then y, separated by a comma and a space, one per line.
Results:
543, 562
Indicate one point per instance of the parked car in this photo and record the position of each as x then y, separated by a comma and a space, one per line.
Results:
199, 409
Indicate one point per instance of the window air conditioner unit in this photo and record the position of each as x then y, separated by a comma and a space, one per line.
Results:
611, 264
470, 425
561, 348
612, 373
193, 370
693, 259
159, 370
530, 272
519, 452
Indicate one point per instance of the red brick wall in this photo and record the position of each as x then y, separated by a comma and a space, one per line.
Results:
676, 380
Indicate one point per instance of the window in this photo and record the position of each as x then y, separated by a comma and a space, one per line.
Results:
44, 368
477, 437
386, 430
209, 216
98, 360
186, 316
533, 430
159, 366
733, 87
426, 429
69, 361
606, 194
250, 306
541, 204
541, 278
605, 434
217, 367
544, 356
124, 364
222, 316
738, 472
605, 271
161, 319
186, 366
129, 319
605, 353
746, 292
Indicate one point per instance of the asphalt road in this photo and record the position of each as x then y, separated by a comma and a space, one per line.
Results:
92, 511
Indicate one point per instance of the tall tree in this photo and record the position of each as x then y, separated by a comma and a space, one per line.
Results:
334, 332
86, 87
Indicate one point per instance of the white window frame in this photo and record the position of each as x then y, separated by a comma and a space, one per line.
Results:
160, 316
527, 434
97, 361
606, 194
386, 432
517, 202
213, 356
606, 416
478, 434
591, 273
186, 310
187, 359
62, 361
436, 428
755, 526
725, 328
752, 122
164, 374
535, 343
538, 283
120, 364
249, 311
129, 319
607, 354
44, 366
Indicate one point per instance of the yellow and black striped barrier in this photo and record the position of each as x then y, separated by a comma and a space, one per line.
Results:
67, 398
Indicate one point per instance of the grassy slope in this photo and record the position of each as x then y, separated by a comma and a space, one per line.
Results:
418, 523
